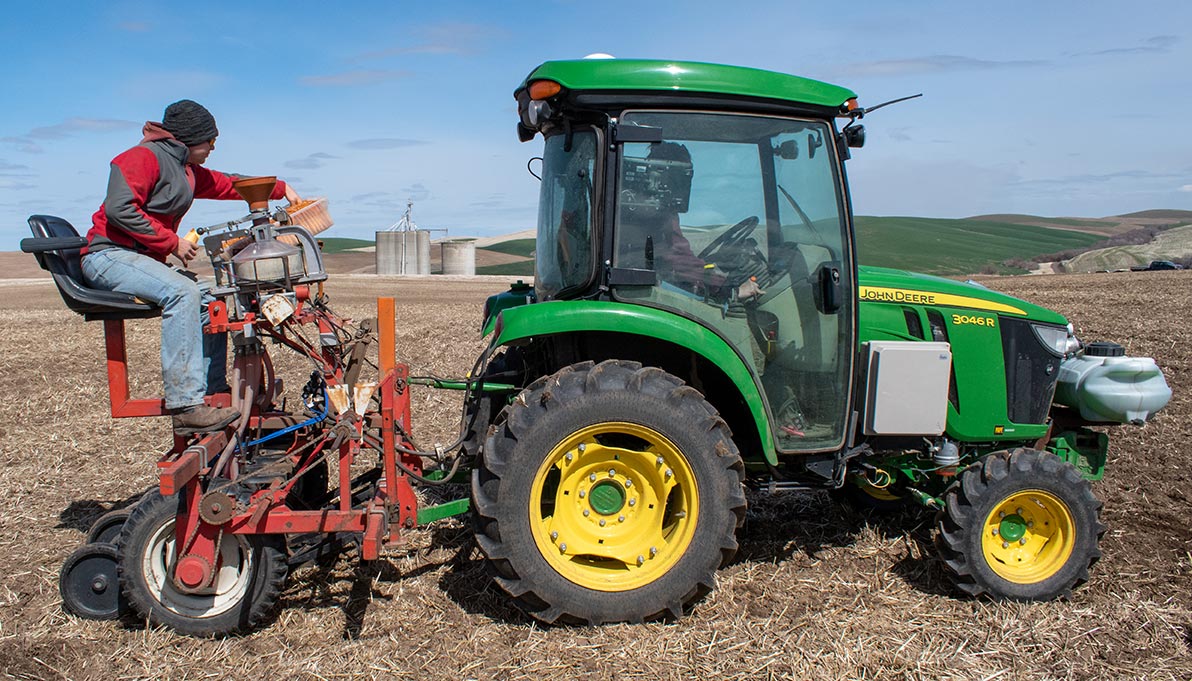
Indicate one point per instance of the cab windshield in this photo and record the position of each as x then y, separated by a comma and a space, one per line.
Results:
563, 256
742, 221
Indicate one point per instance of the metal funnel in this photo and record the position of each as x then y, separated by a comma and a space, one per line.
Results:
255, 190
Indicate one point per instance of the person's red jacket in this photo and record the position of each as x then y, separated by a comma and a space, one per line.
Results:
150, 188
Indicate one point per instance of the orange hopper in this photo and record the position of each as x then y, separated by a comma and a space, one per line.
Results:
255, 190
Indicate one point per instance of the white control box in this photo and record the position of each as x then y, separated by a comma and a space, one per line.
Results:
907, 388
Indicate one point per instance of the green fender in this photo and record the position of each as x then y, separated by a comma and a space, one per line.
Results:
556, 317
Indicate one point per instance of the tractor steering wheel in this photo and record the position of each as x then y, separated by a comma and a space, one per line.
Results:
729, 239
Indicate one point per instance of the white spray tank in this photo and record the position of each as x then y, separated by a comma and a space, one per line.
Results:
1108, 387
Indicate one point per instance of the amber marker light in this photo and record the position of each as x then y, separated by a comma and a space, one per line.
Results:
544, 89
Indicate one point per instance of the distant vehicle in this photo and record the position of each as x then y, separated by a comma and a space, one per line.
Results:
1157, 265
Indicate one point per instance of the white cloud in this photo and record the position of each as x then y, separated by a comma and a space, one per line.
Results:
1186, 188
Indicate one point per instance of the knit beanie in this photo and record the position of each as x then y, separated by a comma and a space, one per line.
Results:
189, 122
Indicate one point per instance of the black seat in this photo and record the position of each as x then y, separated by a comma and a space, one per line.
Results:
56, 245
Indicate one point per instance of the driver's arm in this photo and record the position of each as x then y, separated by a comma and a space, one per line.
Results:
686, 265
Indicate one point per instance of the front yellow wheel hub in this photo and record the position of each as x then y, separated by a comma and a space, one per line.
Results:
614, 506
1028, 536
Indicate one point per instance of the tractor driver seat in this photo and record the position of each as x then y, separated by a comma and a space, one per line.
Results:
56, 245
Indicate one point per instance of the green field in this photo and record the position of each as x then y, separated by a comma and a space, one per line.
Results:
522, 247
524, 268
932, 245
950, 247
339, 245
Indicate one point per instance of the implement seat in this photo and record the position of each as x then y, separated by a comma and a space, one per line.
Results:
56, 245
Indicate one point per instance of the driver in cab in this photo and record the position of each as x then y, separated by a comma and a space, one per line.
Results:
655, 190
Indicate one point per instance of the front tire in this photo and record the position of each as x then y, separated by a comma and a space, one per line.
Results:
1020, 525
251, 572
608, 493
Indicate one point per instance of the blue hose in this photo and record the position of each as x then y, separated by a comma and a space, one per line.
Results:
296, 426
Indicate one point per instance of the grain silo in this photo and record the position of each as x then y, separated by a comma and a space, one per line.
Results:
403, 248
459, 257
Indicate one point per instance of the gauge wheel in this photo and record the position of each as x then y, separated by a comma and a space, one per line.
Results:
106, 529
608, 493
249, 576
1019, 525
88, 583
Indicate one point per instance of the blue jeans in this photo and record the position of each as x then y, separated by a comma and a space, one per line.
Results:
193, 364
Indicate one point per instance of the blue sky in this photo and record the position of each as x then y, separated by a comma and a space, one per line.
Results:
1051, 108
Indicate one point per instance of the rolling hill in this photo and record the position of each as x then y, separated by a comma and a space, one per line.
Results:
961, 246
1175, 243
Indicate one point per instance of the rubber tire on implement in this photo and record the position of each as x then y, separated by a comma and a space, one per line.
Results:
618, 410
89, 585
1051, 527
106, 529
146, 548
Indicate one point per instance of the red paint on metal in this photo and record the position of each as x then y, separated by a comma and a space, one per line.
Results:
122, 406
174, 475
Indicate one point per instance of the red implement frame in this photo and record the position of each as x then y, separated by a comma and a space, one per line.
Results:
381, 519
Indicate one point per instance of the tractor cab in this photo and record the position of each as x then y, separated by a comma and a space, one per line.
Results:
675, 186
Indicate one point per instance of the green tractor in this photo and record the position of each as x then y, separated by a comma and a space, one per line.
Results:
698, 323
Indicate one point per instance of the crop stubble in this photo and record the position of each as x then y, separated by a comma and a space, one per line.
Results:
818, 590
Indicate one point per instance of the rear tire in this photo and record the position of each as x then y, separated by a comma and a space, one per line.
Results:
1019, 525
250, 576
608, 493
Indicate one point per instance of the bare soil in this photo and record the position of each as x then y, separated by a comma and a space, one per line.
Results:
818, 590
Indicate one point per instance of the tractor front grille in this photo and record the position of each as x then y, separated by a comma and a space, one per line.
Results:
1031, 372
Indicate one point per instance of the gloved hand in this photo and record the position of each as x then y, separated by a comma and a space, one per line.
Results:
749, 290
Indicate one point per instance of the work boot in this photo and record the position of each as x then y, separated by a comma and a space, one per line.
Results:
201, 418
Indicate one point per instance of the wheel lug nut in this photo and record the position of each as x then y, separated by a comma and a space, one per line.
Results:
653, 551
1030, 523
620, 518
569, 456
602, 522
661, 461
628, 483
1018, 511
633, 502
1001, 514
641, 560
1022, 541
562, 547
587, 513
612, 472
669, 472
994, 529
582, 447
1005, 545
554, 535
582, 494
592, 477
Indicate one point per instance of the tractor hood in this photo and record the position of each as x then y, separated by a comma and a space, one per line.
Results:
884, 285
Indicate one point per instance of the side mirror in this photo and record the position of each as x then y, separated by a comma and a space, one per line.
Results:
814, 142
854, 136
788, 150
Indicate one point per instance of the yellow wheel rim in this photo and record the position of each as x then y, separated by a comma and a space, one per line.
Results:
1028, 537
613, 506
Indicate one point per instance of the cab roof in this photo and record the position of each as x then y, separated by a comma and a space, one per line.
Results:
688, 77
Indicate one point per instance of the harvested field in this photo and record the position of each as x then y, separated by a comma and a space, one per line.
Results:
817, 591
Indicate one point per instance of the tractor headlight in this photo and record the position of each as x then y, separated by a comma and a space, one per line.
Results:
1054, 338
